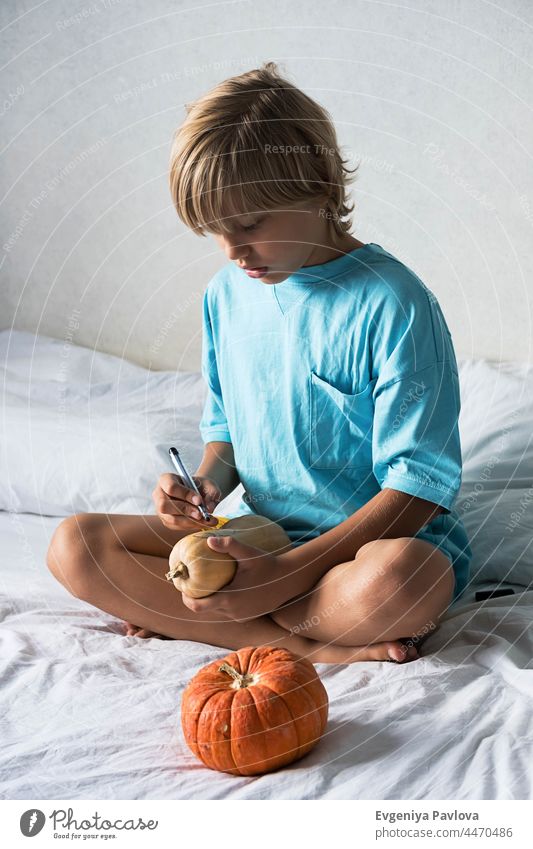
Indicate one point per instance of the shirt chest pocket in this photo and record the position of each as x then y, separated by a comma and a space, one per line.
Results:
340, 432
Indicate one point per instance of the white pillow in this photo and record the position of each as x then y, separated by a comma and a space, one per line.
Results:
88, 432
496, 497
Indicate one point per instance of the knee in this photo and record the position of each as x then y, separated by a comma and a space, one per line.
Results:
414, 570
425, 567
72, 549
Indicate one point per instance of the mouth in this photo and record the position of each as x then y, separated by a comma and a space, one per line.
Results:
259, 271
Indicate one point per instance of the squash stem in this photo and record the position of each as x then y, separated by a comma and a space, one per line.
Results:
243, 680
179, 570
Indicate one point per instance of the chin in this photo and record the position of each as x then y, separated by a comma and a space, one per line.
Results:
273, 278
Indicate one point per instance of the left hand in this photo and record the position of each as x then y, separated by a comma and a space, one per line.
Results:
258, 587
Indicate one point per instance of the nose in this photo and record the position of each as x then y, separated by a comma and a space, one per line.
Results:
234, 248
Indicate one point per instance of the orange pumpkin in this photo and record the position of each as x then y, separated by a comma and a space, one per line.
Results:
255, 711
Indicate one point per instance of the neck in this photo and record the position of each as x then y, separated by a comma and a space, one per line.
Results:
325, 253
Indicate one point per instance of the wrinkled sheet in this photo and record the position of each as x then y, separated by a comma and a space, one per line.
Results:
87, 713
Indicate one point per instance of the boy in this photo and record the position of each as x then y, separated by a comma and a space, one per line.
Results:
333, 397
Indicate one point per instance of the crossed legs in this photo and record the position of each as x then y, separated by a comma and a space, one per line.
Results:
393, 589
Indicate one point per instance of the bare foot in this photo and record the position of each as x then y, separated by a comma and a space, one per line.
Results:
143, 633
393, 651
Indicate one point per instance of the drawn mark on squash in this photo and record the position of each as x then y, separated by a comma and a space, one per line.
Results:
220, 523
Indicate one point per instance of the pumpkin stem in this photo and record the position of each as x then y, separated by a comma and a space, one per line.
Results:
243, 680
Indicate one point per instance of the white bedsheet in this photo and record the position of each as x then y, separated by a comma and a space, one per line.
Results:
87, 713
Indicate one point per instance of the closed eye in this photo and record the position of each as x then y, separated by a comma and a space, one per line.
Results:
250, 227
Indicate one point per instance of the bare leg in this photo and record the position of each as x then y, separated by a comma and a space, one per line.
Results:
89, 557
394, 588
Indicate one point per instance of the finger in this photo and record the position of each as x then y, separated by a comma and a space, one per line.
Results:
203, 605
207, 487
193, 513
181, 523
178, 522
240, 551
212, 521
173, 486
178, 509
196, 514
189, 602
210, 497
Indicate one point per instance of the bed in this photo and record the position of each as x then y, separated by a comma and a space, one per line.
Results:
88, 713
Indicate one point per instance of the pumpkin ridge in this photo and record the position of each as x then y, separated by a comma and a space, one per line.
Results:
270, 729
293, 719
309, 678
310, 711
231, 704
236, 738
268, 657
304, 684
244, 656
215, 748
314, 702
203, 698
191, 717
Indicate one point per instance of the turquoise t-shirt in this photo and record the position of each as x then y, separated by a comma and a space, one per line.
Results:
331, 385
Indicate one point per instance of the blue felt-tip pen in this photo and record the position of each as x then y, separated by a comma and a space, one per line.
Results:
181, 470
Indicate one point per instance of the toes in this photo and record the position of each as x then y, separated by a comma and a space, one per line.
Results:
136, 631
146, 635
395, 655
393, 651
143, 633
400, 653
396, 652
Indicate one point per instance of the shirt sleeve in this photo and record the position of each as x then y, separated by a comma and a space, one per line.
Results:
415, 443
213, 424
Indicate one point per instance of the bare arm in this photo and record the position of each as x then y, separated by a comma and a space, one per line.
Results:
218, 463
389, 514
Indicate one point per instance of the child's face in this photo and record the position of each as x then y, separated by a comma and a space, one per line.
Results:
278, 242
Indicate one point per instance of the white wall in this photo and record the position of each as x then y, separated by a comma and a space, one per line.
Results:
434, 98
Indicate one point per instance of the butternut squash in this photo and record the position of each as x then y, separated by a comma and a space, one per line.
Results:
198, 571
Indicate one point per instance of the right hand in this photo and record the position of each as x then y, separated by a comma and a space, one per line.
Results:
175, 502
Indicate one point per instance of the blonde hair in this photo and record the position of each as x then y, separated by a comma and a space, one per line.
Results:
256, 142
